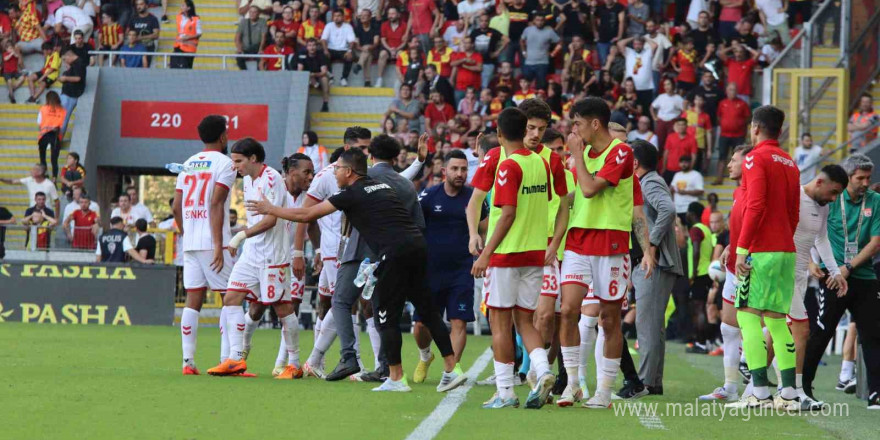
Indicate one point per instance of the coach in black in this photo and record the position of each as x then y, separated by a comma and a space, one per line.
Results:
386, 225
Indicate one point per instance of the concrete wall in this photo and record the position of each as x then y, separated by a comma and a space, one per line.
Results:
97, 132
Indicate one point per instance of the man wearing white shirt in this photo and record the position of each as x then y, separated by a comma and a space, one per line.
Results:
774, 18
139, 207
643, 132
37, 182
125, 211
661, 45
338, 39
807, 158
686, 186
638, 66
469, 10
73, 19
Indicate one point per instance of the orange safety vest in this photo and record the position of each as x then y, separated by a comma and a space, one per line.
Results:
189, 30
322, 152
51, 118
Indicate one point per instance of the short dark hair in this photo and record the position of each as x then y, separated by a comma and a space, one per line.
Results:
535, 108
249, 147
769, 120
338, 10
646, 153
74, 155
500, 89
455, 154
686, 157
211, 128
356, 159
334, 156
512, 124
124, 195
232, 211
85, 195
385, 147
141, 225
696, 208
677, 120
39, 193
836, 174
356, 133
805, 134
591, 107
744, 149
550, 136
291, 162
47, 46
116, 220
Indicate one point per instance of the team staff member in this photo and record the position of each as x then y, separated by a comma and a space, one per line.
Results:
652, 293
765, 258
449, 262
854, 232
386, 225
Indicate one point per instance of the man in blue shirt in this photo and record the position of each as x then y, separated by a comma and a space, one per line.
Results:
133, 45
449, 261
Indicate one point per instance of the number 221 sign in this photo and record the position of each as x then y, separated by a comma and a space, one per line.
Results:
180, 120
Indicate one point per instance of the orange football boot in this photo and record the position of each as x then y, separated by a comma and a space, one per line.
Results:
291, 372
228, 367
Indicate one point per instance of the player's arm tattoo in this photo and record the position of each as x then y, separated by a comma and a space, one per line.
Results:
640, 227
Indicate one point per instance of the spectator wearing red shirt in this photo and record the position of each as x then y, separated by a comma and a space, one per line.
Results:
85, 223
279, 48
678, 144
467, 67
288, 25
438, 111
393, 35
740, 68
684, 62
733, 119
424, 17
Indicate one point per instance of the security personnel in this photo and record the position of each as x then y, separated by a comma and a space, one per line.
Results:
189, 30
115, 244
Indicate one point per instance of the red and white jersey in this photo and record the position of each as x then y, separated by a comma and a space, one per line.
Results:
323, 186
272, 247
293, 202
209, 169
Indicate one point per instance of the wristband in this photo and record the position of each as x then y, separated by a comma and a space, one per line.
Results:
298, 254
237, 239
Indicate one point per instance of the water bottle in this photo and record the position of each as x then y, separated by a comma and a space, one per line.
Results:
370, 285
178, 168
361, 279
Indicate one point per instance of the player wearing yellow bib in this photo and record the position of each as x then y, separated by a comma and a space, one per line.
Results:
597, 245
513, 260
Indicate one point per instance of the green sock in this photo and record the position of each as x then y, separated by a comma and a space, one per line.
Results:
783, 347
753, 346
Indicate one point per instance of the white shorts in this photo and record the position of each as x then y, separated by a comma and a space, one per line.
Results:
272, 283
798, 311
550, 282
728, 294
606, 275
327, 278
509, 287
297, 287
197, 272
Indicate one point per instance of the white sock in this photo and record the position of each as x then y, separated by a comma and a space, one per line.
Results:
357, 340
504, 379
788, 393
224, 336
281, 359
325, 340
587, 329
290, 333
538, 357
750, 388
250, 326
761, 392
235, 326
425, 354
189, 329
799, 385
317, 329
732, 342
778, 374
599, 353
375, 341
609, 375
846, 369
571, 360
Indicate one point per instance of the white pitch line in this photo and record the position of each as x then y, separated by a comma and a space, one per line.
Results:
431, 425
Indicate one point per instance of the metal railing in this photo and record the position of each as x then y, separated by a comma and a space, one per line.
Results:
166, 55
81, 239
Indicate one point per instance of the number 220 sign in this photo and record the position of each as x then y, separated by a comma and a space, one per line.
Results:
180, 120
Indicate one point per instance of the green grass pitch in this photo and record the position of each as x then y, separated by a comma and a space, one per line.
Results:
97, 382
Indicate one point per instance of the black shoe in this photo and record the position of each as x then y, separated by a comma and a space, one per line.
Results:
744, 372
850, 387
31, 100
374, 376
697, 349
561, 383
164, 19
654, 391
367, 84
632, 390
356, 69
325, 108
874, 401
343, 370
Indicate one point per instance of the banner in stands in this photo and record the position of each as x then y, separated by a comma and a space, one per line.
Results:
70, 293
179, 120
